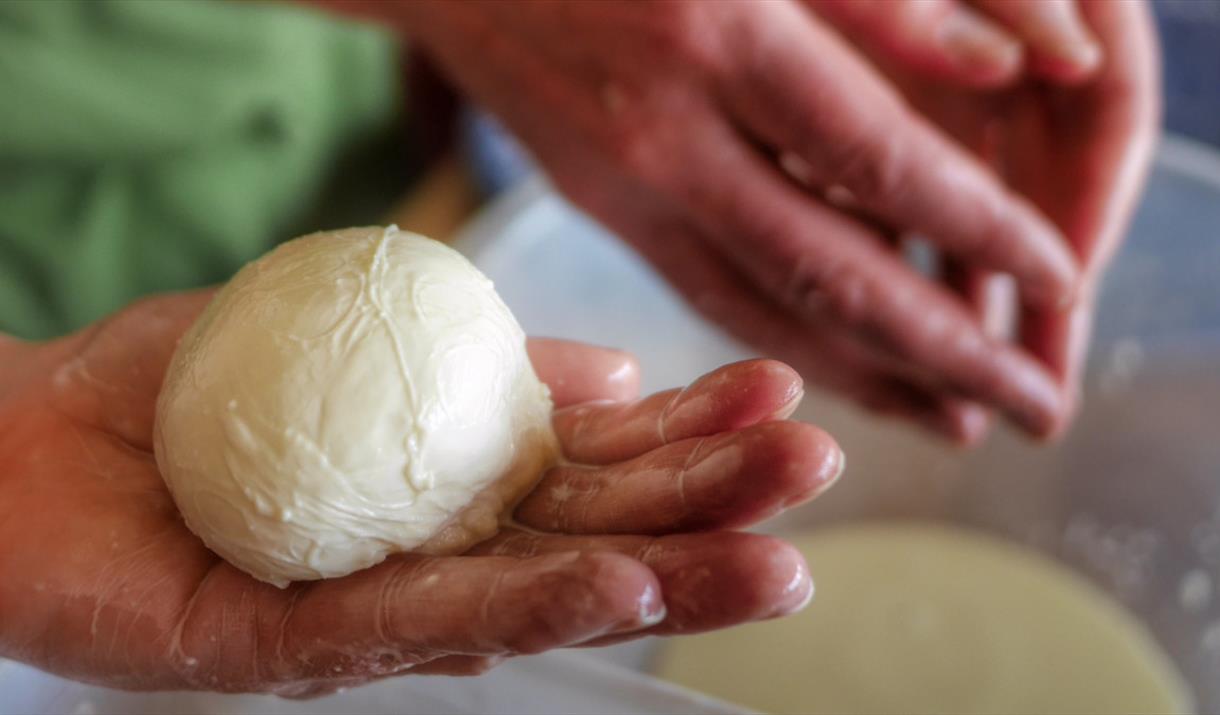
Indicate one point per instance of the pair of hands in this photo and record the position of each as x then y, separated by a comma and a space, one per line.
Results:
101, 581
773, 172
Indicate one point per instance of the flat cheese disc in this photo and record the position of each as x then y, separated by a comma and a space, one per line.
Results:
917, 618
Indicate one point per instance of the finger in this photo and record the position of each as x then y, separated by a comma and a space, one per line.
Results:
804, 92
822, 351
576, 372
965, 420
1061, 45
709, 581
829, 268
983, 293
471, 606
728, 398
944, 40
1102, 135
1063, 341
990, 296
722, 481
410, 610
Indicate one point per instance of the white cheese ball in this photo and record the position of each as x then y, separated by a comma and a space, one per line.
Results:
351, 395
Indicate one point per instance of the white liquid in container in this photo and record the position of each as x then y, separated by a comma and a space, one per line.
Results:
916, 618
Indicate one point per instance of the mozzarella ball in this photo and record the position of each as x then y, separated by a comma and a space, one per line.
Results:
351, 395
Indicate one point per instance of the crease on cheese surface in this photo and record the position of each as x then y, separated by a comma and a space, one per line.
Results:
350, 395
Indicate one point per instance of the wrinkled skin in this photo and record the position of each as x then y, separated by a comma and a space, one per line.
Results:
766, 168
1079, 150
101, 581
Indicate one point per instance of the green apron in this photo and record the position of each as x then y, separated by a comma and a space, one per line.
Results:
157, 145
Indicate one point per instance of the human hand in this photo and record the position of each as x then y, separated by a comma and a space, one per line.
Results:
101, 581
668, 122
1076, 141
974, 43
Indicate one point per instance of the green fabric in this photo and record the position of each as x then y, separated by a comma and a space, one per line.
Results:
157, 145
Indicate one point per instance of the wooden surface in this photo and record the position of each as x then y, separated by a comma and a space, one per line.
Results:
440, 203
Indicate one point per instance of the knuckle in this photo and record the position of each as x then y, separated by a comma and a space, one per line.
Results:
572, 602
683, 34
580, 419
196, 654
637, 150
835, 289
869, 163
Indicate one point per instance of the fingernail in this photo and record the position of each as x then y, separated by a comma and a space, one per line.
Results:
804, 603
801, 584
1067, 39
1044, 406
1080, 327
650, 610
1057, 290
974, 421
1085, 56
842, 467
791, 401
652, 607
963, 424
974, 44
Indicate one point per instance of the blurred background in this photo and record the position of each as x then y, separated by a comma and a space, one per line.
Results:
112, 165
1190, 40
1131, 501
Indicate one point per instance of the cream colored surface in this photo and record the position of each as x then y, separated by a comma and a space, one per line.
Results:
350, 395
928, 619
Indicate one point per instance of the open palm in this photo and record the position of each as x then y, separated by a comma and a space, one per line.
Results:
101, 581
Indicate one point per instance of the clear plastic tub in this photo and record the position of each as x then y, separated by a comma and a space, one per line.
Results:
1131, 499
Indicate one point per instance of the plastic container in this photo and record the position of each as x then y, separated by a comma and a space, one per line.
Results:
1131, 499
560, 682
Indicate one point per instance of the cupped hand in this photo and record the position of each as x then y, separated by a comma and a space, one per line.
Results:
1076, 142
682, 125
101, 581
